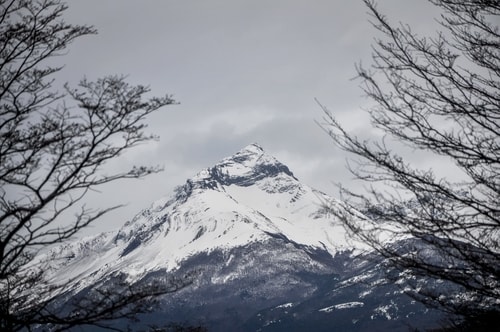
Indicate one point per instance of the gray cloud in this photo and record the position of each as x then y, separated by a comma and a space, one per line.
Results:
244, 71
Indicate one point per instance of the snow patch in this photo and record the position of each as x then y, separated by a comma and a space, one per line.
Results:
347, 305
285, 305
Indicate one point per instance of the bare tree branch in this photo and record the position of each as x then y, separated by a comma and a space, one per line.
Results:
53, 150
440, 95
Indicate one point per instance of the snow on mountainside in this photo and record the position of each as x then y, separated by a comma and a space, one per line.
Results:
243, 199
267, 252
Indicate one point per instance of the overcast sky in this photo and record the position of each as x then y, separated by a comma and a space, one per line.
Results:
243, 72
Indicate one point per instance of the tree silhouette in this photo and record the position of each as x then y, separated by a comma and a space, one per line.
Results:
53, 147
439, 95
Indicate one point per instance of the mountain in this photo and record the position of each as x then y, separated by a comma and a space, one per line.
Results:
267, 252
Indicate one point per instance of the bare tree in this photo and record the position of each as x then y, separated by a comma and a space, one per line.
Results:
440, 95
53, 147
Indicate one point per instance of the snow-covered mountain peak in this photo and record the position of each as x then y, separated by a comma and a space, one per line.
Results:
244, 168
267, 251
253, 148
247, 198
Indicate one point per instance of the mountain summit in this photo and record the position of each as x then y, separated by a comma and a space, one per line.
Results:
268, 253
245, 168
245, 198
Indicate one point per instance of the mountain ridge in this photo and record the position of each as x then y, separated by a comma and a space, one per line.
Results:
258, 239
227, 202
